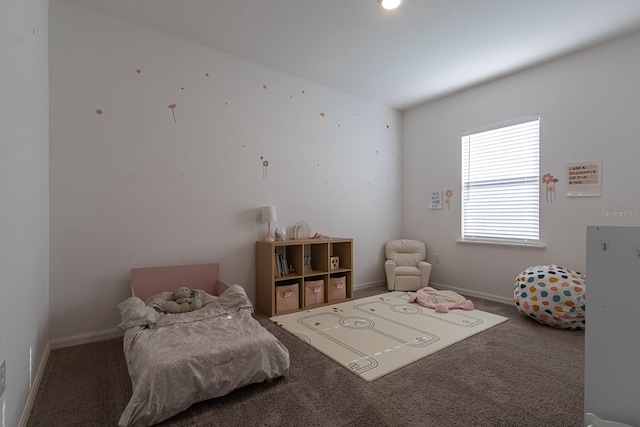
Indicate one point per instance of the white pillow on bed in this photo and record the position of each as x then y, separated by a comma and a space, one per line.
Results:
134, 312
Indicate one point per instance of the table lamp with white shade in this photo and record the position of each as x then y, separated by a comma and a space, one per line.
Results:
268, 215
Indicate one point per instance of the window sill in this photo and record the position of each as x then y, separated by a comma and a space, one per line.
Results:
521, 245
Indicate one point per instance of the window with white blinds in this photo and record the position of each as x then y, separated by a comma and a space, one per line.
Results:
501, 181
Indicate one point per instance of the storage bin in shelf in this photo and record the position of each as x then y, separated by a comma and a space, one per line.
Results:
287, 297
337, 287
314, 291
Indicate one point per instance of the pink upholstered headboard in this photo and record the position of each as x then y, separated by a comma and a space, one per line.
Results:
149, 281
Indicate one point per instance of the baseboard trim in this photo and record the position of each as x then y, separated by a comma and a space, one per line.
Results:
472, 293
26, 411
369, 284
86, 338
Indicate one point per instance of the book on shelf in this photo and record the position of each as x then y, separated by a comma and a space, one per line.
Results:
280, 265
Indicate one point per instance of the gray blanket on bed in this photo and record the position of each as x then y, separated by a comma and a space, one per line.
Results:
176, 360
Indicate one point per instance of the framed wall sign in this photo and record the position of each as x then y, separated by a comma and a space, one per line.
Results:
584, 179
436, 200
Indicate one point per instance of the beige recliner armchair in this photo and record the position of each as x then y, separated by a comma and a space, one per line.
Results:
405, 266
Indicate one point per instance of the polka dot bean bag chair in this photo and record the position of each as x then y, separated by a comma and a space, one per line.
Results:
552, 295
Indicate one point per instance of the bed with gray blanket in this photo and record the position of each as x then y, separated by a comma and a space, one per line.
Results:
176, 360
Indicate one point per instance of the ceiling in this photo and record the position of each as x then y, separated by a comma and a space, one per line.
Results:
424, 50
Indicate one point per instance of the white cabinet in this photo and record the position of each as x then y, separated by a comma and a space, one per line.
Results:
612, 333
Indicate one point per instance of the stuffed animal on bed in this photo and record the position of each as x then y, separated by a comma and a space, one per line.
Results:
183, 300
440, 300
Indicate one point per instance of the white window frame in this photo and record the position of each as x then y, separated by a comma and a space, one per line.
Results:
501, 183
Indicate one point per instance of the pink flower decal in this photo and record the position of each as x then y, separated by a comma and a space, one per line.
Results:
448, 195
549, 181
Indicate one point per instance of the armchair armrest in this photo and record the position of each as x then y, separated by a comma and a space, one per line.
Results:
425, 269
390, 270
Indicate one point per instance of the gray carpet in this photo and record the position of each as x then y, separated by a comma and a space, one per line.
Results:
519, 373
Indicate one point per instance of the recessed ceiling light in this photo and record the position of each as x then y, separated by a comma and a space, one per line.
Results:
389, 4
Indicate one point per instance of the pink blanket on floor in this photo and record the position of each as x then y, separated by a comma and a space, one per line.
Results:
440, 300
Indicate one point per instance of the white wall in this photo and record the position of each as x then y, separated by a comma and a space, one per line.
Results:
589, 105
24, 201
130, 187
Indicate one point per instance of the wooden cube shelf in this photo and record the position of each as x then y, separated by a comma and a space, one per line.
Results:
283, 263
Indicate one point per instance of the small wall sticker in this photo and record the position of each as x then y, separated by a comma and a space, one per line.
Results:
265, 165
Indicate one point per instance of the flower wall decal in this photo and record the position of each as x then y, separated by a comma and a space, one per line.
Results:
550, 183
265, 165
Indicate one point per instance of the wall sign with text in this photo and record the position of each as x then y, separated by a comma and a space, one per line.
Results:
584, 179
436, 200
